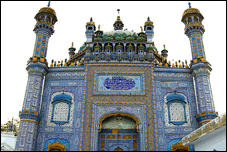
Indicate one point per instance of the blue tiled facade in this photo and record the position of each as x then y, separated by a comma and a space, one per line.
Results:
115, 74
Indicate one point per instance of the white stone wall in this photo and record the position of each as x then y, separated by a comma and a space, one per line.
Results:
210, 141
8, 141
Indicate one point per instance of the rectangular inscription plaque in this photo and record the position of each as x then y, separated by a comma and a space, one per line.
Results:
120, 83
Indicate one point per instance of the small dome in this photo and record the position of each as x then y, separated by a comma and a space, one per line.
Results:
148, 22
91, 22
191, 10
48, 9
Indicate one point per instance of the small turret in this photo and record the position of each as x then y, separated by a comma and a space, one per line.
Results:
10, 127
99, 33
118, 24
90, 29
149, 30
164, 52
97, 49
71, 51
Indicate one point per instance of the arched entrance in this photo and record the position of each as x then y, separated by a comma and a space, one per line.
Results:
118, 132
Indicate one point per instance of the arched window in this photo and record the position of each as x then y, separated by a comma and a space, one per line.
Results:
148, 28
195, 19
60, 108
176, 109
48, 19
42, 18
190, 20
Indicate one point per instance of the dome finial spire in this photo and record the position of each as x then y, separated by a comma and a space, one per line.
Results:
189, 4
48, 4
148, 19
118, 11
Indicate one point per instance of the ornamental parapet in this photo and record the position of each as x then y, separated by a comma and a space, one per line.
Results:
166, 64
193, 24
44, 27
200, 64
37, 68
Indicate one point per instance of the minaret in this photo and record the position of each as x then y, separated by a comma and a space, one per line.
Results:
44, 28
37, 69
201, 69
149, 30
194, 29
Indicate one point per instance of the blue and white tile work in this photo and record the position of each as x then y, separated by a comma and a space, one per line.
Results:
118, 77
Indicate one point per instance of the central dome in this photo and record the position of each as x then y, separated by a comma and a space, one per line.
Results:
112, 32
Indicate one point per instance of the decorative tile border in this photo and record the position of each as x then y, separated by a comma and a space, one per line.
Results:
119, 64
65, 74
178, 75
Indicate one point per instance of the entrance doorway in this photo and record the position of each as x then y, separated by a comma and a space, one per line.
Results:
118, 133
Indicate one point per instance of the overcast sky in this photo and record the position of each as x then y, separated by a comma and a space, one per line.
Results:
18, 38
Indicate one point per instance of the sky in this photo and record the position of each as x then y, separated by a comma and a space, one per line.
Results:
18, 38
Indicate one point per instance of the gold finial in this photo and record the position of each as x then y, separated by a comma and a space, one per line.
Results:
130, 44
118, 11
149, 45
109, 44
119, 43
61, 61
141, 28
97, 44
141, 44
164, 46
99, 27
72, 44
